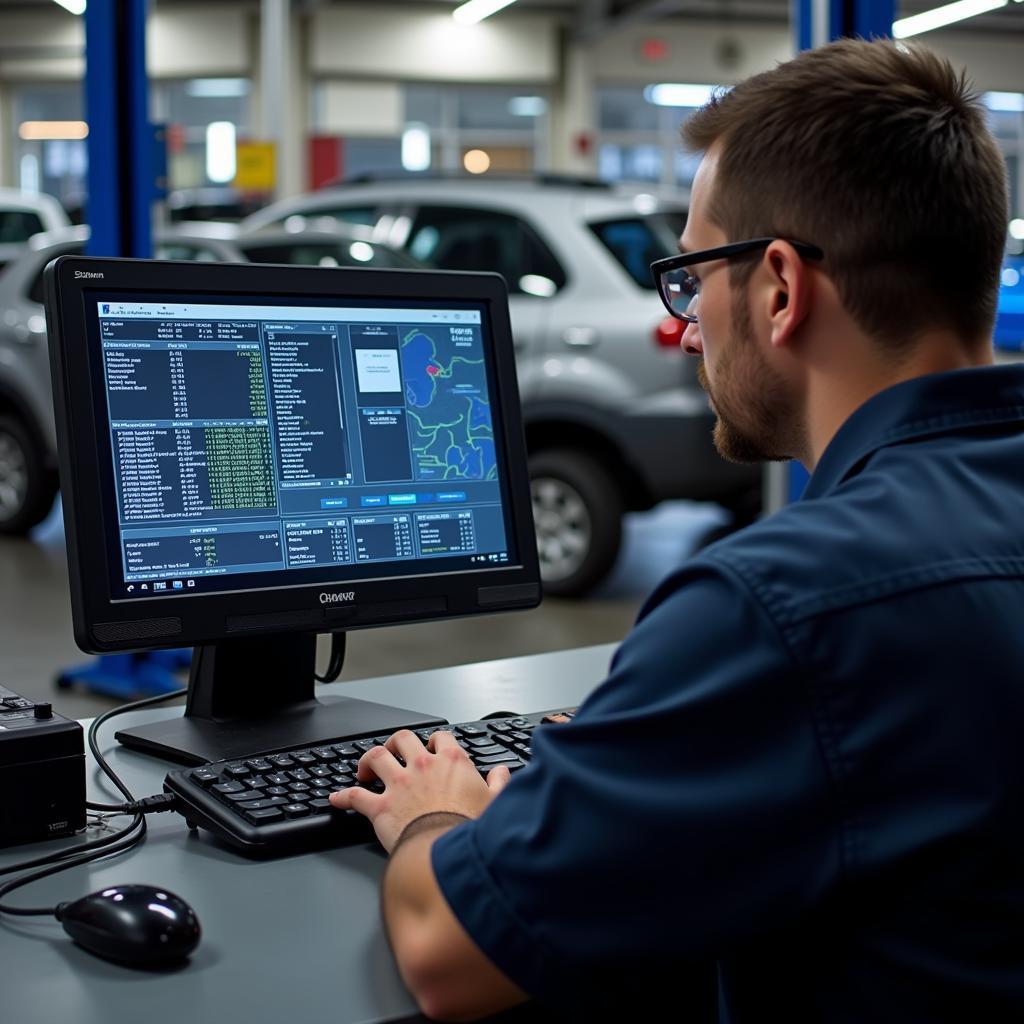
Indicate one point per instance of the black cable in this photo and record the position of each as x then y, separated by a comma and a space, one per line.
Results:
122, 840
337, 660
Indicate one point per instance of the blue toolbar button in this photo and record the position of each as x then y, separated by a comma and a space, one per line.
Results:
401, 499
334, 502
451, 495
368, 500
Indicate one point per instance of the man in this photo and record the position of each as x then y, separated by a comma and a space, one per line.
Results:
805, 766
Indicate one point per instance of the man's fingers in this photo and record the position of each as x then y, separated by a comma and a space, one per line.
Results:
377, 763
441, 740
498, 778
405, 744
354, 798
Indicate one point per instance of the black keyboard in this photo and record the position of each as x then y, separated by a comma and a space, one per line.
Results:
277, 802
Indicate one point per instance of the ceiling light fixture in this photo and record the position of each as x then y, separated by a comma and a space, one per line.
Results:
74, 6
945, 15
476, 10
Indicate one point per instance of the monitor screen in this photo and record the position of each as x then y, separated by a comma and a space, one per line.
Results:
251, 455
283, 442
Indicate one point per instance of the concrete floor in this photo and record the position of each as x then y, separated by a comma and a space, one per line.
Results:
36, 641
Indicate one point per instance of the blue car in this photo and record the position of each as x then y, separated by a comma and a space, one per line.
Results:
1009, 332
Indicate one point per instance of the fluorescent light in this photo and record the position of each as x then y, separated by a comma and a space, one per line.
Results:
74, 6
476, 10
946, 15
34, 131
1011, 102
679, 94
209, 88
1017, 228
527, 106
416, 147
220, 152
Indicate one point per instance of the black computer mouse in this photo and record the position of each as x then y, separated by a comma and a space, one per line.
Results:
137, 925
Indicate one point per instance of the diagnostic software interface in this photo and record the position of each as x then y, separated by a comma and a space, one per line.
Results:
266, 445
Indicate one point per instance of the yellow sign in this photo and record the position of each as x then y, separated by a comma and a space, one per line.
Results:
255, 167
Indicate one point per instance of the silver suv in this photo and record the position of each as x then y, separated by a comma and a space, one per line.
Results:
615, 420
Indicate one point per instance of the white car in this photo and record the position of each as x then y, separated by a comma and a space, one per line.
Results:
24, 214
615, 419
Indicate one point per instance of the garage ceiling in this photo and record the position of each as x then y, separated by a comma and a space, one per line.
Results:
602, 16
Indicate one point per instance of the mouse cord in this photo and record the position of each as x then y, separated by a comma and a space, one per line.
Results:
124, 839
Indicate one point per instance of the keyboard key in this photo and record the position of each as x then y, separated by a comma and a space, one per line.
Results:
300, 775
306, 759
365, 745
319, 806
295, 810
519, 723
205, 776
342, 781
264, 815
500, 727
256, 782
346, 750
260, 764
319, 771
323, 753
237, 771
506, 758
281, 761
276, 791
471, 731
259, 805
492, 748
228, 787
320, 794
298, 787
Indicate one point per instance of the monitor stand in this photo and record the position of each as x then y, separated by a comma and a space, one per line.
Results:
255, 695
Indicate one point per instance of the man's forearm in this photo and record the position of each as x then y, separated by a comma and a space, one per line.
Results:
446, 973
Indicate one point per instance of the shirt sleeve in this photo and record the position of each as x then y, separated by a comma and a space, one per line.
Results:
684, 812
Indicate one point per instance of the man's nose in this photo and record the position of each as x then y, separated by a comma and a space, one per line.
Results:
691, 342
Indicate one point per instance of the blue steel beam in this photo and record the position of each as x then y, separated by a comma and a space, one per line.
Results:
121, 152
820, 21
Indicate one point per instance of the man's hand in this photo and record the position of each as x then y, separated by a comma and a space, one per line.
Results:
434, 778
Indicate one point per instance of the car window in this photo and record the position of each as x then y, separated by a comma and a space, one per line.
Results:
457, 238
328, 254
365, 215
19, 225
636, 242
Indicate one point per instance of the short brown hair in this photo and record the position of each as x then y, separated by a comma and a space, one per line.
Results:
878, 153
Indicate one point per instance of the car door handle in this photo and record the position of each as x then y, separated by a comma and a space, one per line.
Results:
580, 337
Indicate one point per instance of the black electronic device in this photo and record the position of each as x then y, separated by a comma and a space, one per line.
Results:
42, 772
135, 925
278, 804
250, 455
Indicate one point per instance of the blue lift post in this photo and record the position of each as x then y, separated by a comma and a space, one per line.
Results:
816, 22
126, 168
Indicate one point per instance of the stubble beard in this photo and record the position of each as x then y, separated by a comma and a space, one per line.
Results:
754, 416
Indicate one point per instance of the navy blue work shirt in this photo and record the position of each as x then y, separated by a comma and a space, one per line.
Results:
805, 771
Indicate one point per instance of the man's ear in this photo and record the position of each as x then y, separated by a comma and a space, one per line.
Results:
789, 289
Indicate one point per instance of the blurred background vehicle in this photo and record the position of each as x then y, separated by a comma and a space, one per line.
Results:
24, 214
28, 477
615, 419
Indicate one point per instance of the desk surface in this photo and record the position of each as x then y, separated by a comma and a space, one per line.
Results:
297, 938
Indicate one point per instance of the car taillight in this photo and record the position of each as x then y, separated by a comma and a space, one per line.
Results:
669, 333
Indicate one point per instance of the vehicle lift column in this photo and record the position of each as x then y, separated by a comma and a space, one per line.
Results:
126, 175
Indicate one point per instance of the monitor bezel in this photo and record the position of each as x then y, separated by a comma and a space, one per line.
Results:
201, 618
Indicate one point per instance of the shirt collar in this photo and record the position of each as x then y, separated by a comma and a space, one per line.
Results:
934, 404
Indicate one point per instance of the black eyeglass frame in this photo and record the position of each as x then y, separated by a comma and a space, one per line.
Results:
721, 252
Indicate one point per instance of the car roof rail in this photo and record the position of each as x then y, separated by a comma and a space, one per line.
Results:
539, 178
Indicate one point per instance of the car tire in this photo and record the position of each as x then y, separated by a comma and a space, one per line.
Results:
577, 511
27, 485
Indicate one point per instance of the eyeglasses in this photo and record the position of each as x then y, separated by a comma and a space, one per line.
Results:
679, 289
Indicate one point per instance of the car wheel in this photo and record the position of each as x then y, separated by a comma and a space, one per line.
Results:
27, 486
577, 513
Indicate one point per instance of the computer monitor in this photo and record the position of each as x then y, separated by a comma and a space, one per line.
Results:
251, 455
